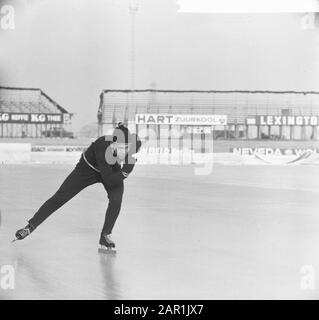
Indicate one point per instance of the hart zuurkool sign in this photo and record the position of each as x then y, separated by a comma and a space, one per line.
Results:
181, 119
8, 117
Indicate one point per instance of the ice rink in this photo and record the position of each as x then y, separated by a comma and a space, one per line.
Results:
242, 232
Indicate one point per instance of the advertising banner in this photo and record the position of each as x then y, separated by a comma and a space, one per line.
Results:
181, 119
58, 148
272, 151
270, 120
8, 117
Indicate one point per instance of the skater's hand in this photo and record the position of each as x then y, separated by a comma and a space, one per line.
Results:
115, 179
129, 164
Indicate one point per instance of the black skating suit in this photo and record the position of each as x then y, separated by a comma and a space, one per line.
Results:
92, 168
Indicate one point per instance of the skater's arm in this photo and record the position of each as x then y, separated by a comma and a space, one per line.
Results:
130, 161
104, 158
100, 148
128, 166
116, 178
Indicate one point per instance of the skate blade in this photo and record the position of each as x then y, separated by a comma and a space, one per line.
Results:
105, 250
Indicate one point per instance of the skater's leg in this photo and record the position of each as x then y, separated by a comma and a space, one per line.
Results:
115, 201
81, 177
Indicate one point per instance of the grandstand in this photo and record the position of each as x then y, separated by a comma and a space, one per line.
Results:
29, 113
238, 106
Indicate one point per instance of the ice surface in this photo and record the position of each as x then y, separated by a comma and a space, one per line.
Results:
240, 233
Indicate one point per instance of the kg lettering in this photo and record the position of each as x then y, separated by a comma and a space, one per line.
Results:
4, 117
38, 118
7, 17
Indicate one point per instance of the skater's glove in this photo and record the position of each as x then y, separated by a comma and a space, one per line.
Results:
128, 165
125, 174
115, 179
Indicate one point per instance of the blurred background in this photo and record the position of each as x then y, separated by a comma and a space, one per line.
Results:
74, 49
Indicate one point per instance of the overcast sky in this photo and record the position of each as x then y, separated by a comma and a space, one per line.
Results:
72, 49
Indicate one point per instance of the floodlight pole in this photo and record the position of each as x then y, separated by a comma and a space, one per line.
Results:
133, 8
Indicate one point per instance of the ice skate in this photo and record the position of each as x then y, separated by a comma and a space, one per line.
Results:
24, 232
107, 244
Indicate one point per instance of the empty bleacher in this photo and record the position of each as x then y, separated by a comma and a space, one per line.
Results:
237, 105
26, 101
